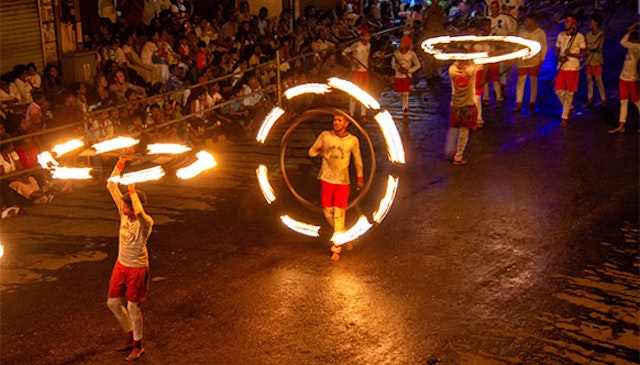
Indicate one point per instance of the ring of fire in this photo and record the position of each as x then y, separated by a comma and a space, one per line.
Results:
393, 143
531, 48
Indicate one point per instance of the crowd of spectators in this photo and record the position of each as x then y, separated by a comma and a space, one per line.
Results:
179, 77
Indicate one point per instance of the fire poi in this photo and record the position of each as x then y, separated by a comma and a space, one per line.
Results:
437, 46
395, 154
47, 160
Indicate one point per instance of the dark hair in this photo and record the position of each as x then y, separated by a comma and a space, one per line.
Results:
141, 195
597, 18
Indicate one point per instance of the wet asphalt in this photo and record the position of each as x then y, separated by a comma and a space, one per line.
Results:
526, 255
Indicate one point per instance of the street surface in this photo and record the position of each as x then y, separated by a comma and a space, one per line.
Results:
526, 255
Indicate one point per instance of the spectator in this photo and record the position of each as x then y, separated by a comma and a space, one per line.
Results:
34, 117
134, 62
22, 86
99, 95
33, 77
120, 86
53, 83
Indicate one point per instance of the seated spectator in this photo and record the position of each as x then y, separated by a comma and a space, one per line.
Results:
120, 86
34, 117
53, 84
99, 94
176, 78
6, 98
236, 110
33, 77
257, 57
134, 62
23, 88
202, 56
255, 101
80, 92
26, 185
68, 112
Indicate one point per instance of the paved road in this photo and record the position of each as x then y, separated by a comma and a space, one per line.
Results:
527, 255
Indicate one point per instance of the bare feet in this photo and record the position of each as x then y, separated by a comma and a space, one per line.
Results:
335, 256
135, 354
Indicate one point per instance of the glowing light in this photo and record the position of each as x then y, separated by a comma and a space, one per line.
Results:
353, 90
72, 173
205, 161
361, 227
154, 173
268, 123
387, 199
301, 227
263, 181
1, 251
391, 136
66, 147
46, 160
532, 48
168, 148
306, 89
115, 144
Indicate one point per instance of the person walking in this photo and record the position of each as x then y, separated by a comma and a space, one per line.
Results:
570, 47
595, 59
130, 276
359, 53
336, 148
531, 66
629, 81
463, 114
405, 62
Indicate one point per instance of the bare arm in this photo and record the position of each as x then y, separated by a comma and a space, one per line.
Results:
357, 160
113, 188
145, 220
316, 149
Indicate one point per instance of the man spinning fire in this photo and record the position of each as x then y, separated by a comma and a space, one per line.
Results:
336, 147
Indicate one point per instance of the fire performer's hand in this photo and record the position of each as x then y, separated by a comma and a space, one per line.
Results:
360, 184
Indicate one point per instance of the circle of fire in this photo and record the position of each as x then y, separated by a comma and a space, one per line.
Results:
395, 153
436, 46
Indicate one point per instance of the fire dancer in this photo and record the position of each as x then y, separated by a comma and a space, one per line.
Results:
629, 83
463, 118
405, 62
570, 48
336, 147
530, 67
359, 54
130, 276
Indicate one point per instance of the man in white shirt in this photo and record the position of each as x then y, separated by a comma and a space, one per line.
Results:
336, 148
629, 80
358, 53
530, 66
570, 48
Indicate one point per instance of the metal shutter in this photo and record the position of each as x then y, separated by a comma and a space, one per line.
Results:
20, 36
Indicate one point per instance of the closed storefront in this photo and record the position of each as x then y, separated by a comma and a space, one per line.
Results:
20, 35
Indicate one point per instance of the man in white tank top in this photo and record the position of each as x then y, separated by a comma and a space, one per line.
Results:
130, 276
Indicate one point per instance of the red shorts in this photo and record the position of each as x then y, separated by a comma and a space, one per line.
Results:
629, 90
361, 78
531, 71
464, 117
493, 72
479, 87
402, 85
334, 195
129, 282
567, 80
594, 70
